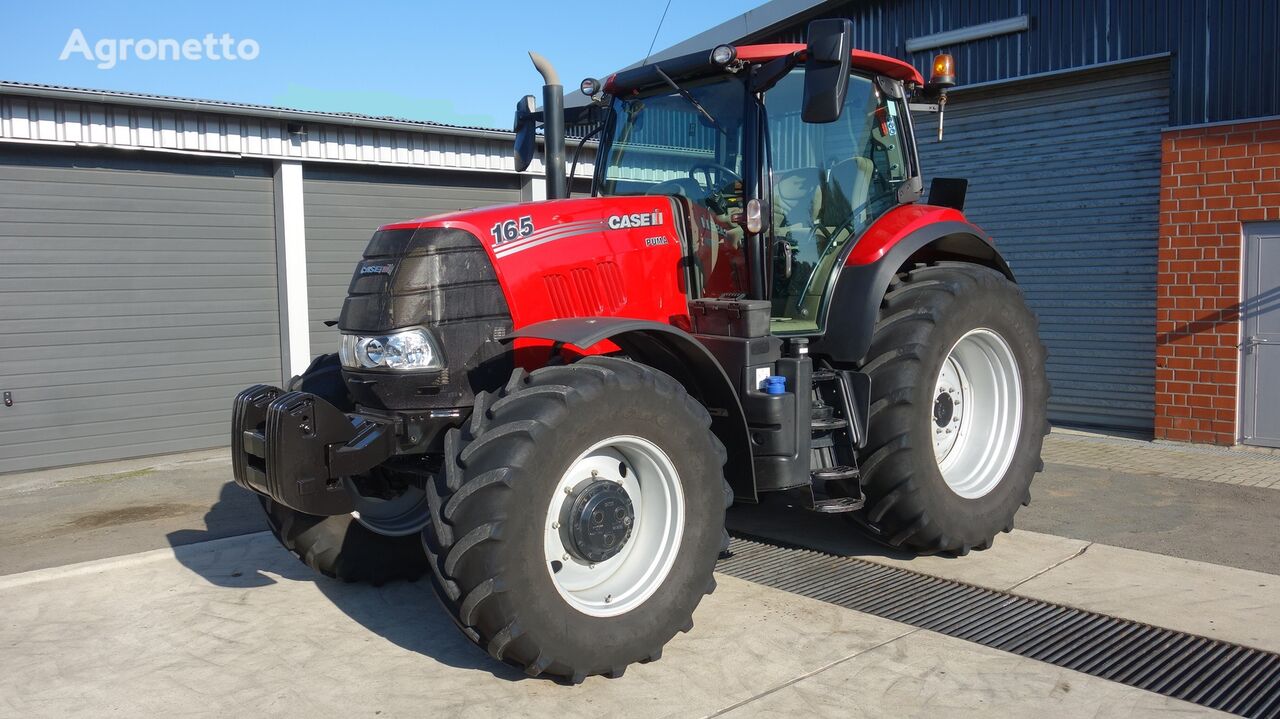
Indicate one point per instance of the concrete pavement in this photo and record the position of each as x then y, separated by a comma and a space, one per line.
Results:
1241, 466
74, 514
238, 626
1235, 605
163, 621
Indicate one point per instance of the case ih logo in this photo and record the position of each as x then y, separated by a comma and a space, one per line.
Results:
377, 269
639, 219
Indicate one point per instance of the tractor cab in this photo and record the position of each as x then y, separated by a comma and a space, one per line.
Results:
777, 156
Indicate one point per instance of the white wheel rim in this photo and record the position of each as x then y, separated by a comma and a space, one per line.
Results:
626, 580
977, 413
400, 516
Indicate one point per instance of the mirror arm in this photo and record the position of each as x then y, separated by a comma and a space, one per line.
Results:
573, 165
769, 74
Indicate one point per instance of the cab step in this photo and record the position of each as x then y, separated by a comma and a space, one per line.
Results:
837, 505
828, 424
836, 473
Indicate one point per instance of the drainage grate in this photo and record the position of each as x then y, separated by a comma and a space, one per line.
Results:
1212, 673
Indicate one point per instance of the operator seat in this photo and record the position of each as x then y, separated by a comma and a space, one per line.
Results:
848, 190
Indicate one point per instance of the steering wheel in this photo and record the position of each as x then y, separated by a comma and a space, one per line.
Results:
713, 182
713, 174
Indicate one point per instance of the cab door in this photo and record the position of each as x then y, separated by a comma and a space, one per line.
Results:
829, 182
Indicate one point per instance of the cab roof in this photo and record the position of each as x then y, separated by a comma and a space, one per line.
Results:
699, 64
863, 60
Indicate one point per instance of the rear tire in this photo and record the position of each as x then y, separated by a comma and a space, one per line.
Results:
495, 518
947, 473
340, 546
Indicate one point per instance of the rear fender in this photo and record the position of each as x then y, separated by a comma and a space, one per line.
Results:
867, 272
677, 353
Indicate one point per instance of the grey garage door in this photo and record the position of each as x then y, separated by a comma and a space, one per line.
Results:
344, 208
1064, 173
136, 298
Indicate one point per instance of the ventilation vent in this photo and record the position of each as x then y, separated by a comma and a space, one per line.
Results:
562, 299
611, 282
588, 289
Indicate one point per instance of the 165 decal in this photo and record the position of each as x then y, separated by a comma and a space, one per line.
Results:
511, 230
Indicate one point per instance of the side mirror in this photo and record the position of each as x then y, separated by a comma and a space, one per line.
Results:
826, 69
526, 126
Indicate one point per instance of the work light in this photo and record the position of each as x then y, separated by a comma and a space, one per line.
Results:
724, 54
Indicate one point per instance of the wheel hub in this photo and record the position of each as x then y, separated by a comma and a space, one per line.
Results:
600, 521
943, 409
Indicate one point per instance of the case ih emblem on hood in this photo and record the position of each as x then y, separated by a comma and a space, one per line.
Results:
377, 269
638, 219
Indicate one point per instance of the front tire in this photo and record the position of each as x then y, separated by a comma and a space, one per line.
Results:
341, 546
518, 556
957, 421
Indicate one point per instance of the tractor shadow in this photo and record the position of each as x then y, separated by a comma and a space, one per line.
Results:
791, 526
406, 614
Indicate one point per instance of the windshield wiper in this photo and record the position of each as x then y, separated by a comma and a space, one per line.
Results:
691, 100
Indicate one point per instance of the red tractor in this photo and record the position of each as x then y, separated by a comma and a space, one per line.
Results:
547, 407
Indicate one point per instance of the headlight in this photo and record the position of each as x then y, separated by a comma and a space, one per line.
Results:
404, 350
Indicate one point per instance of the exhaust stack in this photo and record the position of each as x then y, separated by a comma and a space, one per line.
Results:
552, 127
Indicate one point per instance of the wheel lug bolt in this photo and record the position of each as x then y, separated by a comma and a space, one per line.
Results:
591, 566
608, 598
594, 473
565, 557
568, 490
555, 525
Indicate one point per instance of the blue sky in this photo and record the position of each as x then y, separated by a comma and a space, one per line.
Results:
460, 62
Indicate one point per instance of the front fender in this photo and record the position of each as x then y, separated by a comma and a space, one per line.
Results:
680, 355
868, 269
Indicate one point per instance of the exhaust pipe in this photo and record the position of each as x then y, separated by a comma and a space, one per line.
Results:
552, 127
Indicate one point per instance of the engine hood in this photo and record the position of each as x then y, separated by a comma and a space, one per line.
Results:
582, 257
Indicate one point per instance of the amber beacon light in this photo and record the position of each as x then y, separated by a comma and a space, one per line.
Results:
944, 71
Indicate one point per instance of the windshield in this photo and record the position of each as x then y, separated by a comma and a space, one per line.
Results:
663, 144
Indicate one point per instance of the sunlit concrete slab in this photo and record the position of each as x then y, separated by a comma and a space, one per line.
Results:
238, 626
930, 675
1235, 605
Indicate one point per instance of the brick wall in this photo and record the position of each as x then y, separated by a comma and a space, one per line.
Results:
1213, 179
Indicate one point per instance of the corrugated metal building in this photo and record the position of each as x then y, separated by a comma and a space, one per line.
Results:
159, 254
1128, 241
